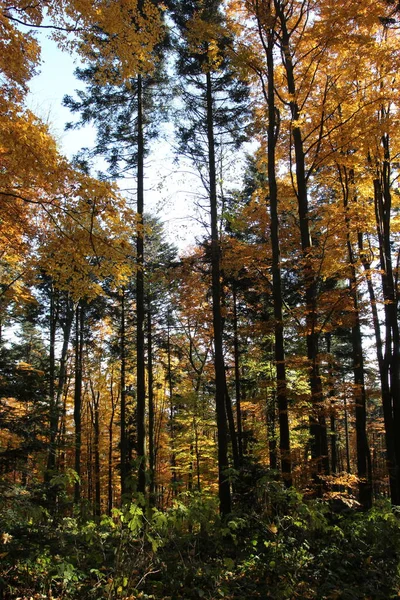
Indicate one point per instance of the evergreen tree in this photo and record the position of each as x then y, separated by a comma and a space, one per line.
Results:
124, 114
214, 102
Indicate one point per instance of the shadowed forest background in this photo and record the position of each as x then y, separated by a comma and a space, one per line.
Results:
223, 421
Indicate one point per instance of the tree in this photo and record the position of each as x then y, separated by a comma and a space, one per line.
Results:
119, 104
217, 101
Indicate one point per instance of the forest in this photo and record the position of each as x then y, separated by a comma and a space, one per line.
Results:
221, 421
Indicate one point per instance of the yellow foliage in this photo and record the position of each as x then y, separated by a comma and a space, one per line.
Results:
130, 28
42, 198
203, 37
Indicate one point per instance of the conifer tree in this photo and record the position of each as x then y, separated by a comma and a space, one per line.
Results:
123, 111
215, 107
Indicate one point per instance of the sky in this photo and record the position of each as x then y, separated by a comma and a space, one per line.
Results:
169, 189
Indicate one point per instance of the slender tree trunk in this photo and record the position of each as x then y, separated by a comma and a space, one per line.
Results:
363, 453
231, 426
171, 409
271, 432
279, 349
333, 433
89, 461
346, 433
62, 383
110, 494
79, 321
236, 353
384, 378
124, 470
222, 433
151, 403
53, 409
318, 431
391, 358
96, 445
56, 389
63, 431
140, 313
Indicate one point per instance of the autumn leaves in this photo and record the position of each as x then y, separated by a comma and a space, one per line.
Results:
322, 78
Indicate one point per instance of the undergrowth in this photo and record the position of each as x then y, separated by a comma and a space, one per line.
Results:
287, 548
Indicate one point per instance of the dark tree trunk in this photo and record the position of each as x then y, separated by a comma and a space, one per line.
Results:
333, 433
279, 349
346, 433
171, 409
363, 453
222, 432
151, 403
318, 431
110, 494
79, 322
124, 466
236, 352
140, 315
271, 432
96, 445
54, 416
62, 377
391, 357
384, 379
231, 426
56, 389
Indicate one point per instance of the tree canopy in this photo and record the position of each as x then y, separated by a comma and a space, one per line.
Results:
223, 421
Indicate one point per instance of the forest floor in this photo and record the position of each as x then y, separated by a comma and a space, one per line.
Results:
282, 548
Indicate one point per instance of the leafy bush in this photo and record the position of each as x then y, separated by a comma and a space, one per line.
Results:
293, 549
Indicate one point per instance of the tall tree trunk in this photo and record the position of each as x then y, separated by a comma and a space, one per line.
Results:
171, 408
236, 353
96, 426
151, 403
110, 494
271, 432
124, 470
79, 322
363, 453
57, 388
89, 456
231, 426
391, 358
318, 432
140, 316
384, 378
53, 416
346, 433
332, 433
222, 433
279, 348
95, 416
63, 383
